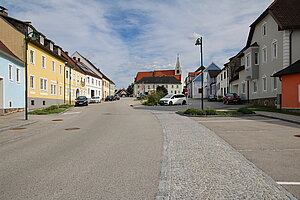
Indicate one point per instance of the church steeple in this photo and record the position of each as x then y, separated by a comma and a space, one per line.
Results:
177, 67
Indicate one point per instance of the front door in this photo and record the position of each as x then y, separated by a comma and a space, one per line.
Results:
77, 93
92, 93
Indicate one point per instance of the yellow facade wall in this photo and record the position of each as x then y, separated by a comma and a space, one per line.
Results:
37, 71
12, 38
105, 88
77, 82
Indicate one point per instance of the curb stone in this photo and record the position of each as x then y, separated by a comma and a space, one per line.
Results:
17, 126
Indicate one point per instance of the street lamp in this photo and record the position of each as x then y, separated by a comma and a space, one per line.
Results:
33, 36
200, 44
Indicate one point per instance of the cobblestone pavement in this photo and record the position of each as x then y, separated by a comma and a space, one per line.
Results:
197, 164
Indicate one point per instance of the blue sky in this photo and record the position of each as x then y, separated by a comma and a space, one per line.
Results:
123, 37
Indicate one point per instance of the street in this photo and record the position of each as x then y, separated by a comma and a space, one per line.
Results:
115, 154
119, 150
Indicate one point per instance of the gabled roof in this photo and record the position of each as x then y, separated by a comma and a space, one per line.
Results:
8, 52
212, 66
193, 73
200, 69
159, 80
72, 63
285, 13
86, 69
292, 69
158, 73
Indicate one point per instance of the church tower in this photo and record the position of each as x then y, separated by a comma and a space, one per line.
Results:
177, 67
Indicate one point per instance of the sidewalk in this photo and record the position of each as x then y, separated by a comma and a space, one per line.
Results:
197, 164
284, 117
15, 120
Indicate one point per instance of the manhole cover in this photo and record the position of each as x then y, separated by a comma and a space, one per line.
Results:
57, 120
297, 135
15, 129
70, 129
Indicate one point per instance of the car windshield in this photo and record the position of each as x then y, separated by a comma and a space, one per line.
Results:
81, 98
168, 96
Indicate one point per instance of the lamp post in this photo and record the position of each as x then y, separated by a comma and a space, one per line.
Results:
200, 43
27, 36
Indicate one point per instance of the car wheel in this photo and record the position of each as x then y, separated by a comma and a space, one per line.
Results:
224, 102
171, 103
183, 102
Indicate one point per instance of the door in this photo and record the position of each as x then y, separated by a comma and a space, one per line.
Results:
77, 93
92, 93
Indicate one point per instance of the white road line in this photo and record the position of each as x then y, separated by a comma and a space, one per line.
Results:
249, 150
71, 113
288, 183
244, 120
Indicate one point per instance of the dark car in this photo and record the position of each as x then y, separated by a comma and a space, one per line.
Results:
231, 98
81, 101
212, 97
109, 98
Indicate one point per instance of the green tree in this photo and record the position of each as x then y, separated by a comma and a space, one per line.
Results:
130, 89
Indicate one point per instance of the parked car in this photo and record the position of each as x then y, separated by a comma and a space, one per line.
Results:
81, 101
109, 98
141, 96
172, 99
231, 98
95, 100
212, 97
116, 97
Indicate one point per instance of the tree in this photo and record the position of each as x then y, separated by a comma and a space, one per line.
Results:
162, 89
129, 90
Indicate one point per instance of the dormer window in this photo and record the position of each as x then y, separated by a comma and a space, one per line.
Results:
59, 51
42, 40
29, 30
51, 46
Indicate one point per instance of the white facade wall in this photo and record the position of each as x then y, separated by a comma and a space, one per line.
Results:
148, 88
222, 83
93, 86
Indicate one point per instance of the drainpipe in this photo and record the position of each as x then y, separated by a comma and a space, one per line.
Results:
291, 46
70, 85
26, 71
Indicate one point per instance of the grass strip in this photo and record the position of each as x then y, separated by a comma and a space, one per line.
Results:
54, 109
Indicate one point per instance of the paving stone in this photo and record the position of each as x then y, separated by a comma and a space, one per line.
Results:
197, 164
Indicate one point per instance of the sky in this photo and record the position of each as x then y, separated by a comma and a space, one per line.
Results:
123, 37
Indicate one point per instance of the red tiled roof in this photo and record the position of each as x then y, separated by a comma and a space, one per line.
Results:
193, 73
159, 73
6, 50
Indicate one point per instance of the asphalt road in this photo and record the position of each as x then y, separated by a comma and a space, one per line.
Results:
115, 154
269, 144
193, 103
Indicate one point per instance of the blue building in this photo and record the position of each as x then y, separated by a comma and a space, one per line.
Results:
12, 81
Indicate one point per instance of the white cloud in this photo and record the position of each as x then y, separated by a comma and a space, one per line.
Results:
163, 29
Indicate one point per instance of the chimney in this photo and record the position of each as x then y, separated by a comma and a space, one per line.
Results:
3, 11
78, 59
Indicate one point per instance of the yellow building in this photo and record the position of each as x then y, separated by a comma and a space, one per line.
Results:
45, 64
74, 79
105, 87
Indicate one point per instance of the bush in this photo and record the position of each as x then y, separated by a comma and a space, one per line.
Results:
206, 111
245, 111
153, 99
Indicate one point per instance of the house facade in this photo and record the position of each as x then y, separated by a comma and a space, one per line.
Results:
273, 44
209, 82
12, 81
147, 82
222, 82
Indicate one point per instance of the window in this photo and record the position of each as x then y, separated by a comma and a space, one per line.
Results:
274, 83
243, 88
274, 49
52, 89
18, 75
264, 83
148, 86
171, 91
224, 75
60, 90
51, 46
43, 84
166, 86
256, 58
31, 82
10, 104
92, 81
175, 91
42, 40
44, 62
10, 72
67, 72
53, 65
221, 77
264, 54
172, 86
60, 69
88, 79
32, 102
31, 56
264, 29
177, 86
248, 61
44, 103
254, 86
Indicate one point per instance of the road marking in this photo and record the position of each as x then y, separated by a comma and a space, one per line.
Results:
249, 150
288, 183
71, 113
244, 120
